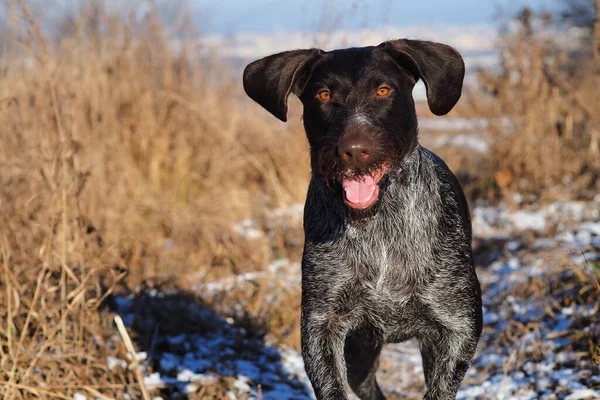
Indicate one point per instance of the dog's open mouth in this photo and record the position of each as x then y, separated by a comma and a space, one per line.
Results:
362, 191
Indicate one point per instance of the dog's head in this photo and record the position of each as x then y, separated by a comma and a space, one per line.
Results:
359, 114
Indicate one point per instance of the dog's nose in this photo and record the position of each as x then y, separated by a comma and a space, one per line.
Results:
355, 150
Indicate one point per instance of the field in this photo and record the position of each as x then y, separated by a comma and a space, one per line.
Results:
136, 180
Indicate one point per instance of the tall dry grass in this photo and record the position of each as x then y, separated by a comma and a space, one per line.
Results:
543, 106
122, 161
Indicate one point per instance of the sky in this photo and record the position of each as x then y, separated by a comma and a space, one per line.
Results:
249, 29
229, 17
272, 16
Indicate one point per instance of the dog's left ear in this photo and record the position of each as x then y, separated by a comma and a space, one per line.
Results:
270, 80
441, 68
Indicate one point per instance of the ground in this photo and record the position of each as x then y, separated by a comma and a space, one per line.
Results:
537, 267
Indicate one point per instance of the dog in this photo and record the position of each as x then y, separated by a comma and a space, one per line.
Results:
387, 254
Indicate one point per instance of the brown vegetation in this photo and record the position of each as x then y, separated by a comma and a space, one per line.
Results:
120, 163
543, 107
124, 163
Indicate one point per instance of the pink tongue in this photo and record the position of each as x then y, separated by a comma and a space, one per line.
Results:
359, 190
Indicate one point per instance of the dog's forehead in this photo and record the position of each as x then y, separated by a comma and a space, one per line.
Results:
351, 54
351, 64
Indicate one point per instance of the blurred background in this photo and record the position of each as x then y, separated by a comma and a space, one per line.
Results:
138, 180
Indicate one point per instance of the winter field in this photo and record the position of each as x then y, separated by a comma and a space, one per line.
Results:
138, 184
537, 271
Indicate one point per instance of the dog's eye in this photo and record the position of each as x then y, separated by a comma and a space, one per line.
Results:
383, 91
324, 95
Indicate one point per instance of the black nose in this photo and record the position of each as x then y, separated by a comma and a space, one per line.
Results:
355, 151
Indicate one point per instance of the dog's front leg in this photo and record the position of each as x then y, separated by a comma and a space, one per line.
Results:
446, 361
323, 340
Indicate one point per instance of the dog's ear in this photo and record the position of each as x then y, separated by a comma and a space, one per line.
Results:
270, 80
441, 68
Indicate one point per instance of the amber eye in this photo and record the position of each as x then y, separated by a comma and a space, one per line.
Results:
383, 91
324, 95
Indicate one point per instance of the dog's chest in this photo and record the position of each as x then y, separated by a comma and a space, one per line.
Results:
385, 280
382, 262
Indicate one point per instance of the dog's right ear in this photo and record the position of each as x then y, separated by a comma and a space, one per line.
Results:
270, 80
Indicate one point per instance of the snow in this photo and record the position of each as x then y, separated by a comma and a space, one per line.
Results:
534, 360
189, 361
500, 220
583, 394
247, 230
476, 43
278, 271
523, 220
465, 141
232, 282
546, 366
453, 124
113, 362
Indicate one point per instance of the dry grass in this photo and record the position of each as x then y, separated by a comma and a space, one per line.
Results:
124, 163
547, 88
120, 163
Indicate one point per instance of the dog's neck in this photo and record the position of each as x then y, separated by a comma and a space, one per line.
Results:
408, 168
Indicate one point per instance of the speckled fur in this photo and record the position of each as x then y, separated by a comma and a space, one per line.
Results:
407, 272
403, 268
